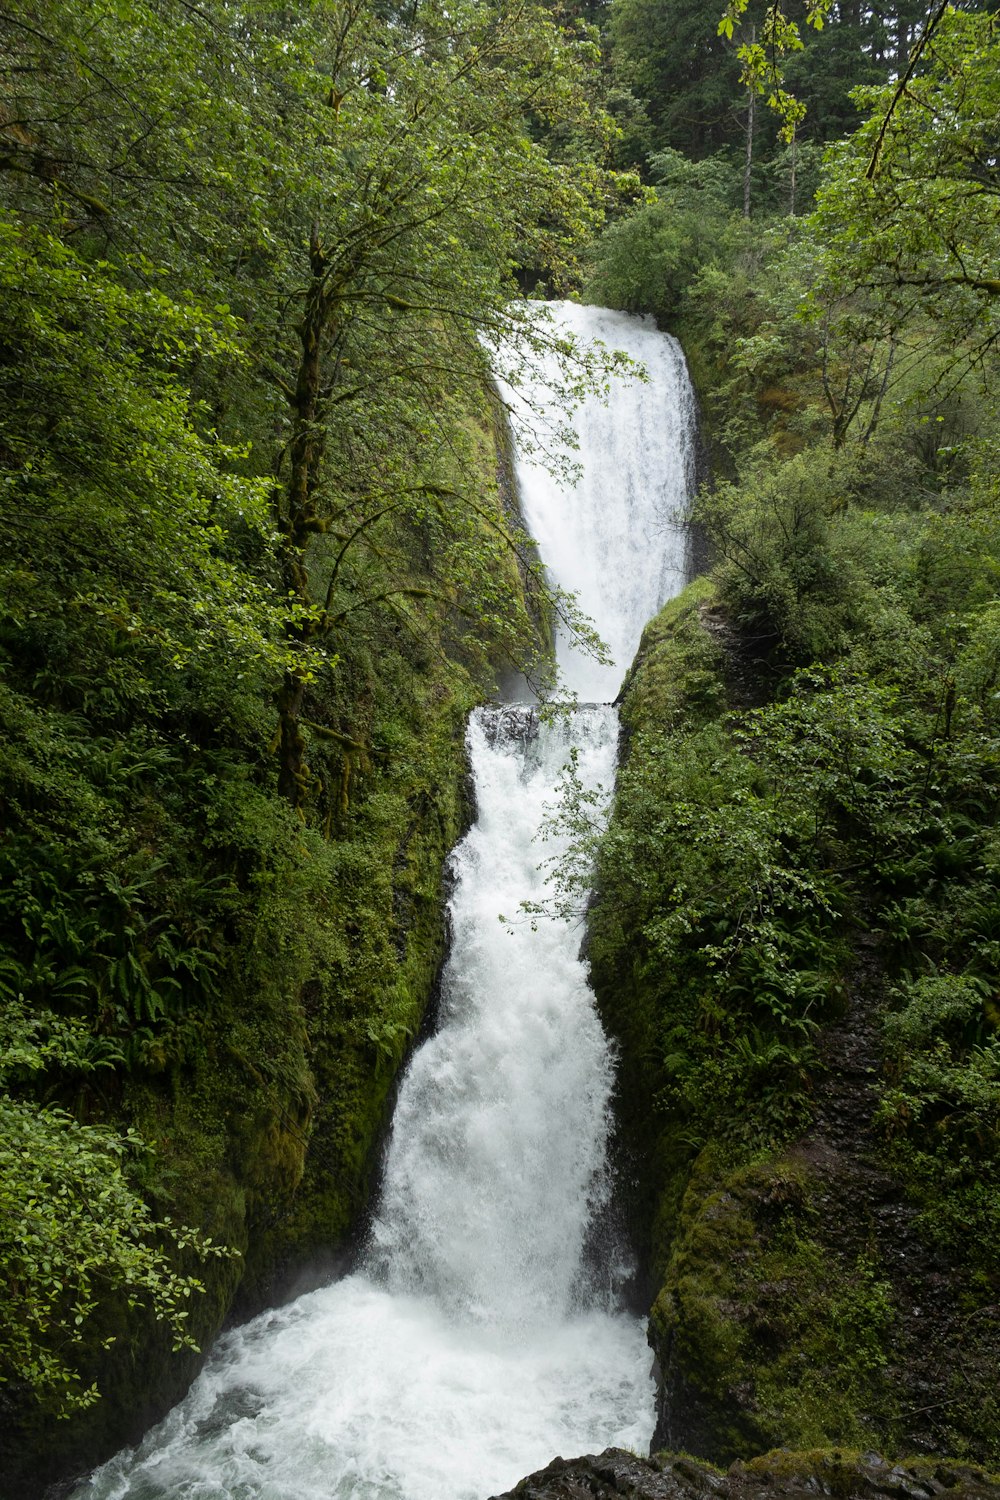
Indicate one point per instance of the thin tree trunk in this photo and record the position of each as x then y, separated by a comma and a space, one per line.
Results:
748, 162
292, 770
297, 519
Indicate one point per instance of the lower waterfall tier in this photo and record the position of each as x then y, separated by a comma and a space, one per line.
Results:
481, 1332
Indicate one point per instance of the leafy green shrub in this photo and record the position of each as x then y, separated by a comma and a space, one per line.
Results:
742, 849
646, 261
940, 1110
783, 575
939, 1008
74, 1226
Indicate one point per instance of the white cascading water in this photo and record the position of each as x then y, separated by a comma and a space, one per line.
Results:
480, 1334
616, 538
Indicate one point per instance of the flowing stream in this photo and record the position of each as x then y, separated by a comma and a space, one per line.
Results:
481, 1332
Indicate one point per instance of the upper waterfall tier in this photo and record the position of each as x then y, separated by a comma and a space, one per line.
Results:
614, 537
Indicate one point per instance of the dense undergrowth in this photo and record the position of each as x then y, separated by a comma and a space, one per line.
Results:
775, 879
206, 993
778, 874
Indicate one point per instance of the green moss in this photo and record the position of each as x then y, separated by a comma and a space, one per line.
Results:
801, 1463
774, 1335
678, 673
846, 1471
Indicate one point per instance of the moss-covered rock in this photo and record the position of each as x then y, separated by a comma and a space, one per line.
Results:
766, 1322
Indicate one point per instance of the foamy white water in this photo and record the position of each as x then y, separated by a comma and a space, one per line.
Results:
615, 538
480, 1334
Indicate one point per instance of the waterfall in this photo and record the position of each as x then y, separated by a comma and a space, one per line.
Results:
615, 539
477, 1338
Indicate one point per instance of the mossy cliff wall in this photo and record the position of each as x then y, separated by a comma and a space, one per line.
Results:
817, 1276
264, 1093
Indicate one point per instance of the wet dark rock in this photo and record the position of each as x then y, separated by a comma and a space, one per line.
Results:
619, 1475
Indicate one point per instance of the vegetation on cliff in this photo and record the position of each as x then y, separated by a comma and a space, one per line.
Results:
795, 931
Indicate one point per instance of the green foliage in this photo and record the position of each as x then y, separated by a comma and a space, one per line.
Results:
938, 1008
763, 56
909, 208
940, 1110
737, 852
669, 57
885, 292
721, 889
755, 1302
782, 577
746, 853
117, 516
645, 261
689, 76
807, 816
74, 1226
252, 498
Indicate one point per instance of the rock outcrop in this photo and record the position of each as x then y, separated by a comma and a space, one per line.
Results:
618, 1475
